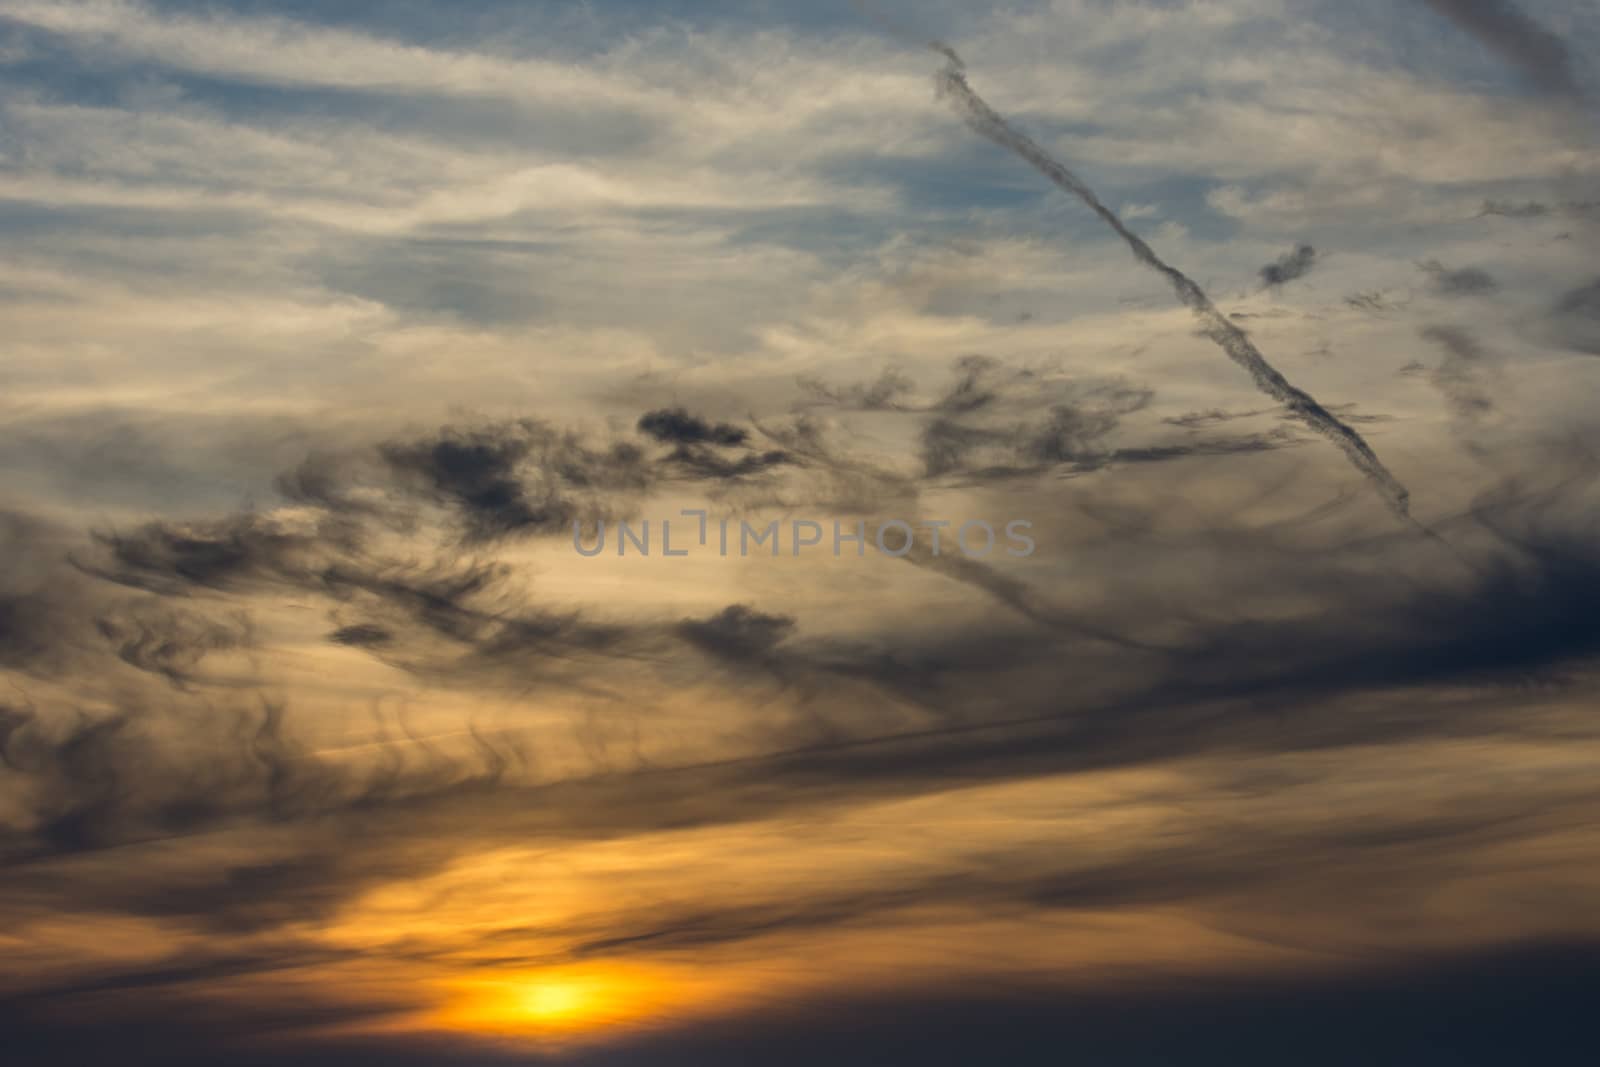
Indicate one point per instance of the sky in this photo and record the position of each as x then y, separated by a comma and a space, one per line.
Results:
1210, 387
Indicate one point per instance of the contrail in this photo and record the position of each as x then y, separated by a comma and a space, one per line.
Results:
983, 119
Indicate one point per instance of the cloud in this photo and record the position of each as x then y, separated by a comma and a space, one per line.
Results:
1540, 55
738, 632
705, 464
1531, 209
310, 718
471, 625
677, 426
239, 550
1465, 376
985, 434
1290, 266
1573, 320
515, 478
1426, 1009
697, 442
171, 644
886, 392
37, 622
262, 832
1467, 281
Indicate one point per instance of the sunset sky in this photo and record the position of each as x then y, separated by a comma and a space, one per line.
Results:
322, 324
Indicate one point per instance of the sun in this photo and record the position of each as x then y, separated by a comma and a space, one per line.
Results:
556, 999
563, 1002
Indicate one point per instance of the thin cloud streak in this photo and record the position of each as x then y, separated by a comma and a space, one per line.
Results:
1235, 342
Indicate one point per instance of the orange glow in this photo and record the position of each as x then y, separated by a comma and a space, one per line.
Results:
564, 1002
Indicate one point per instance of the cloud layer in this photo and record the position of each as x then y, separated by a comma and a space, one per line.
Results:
321, 741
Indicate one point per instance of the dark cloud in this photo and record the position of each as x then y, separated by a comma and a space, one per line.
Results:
1574, 319
997, 431
707, 464
888, 392
677, 426
149, 772
1533, 563
169, 643
1290, 266
994, 421
1237, 444
1466, 376
219, 554
947, 444
1076, 429
361, 635
38, 612
738, 632
1533, 209
446, 617
1373, 302
1583, 301
1508, 209
516, 478
972, 388
1467, 281
526, 478
1540, 55
701, 449
1216, 416
461, 621
1250, 633
22, 629
52, 621
471, 626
